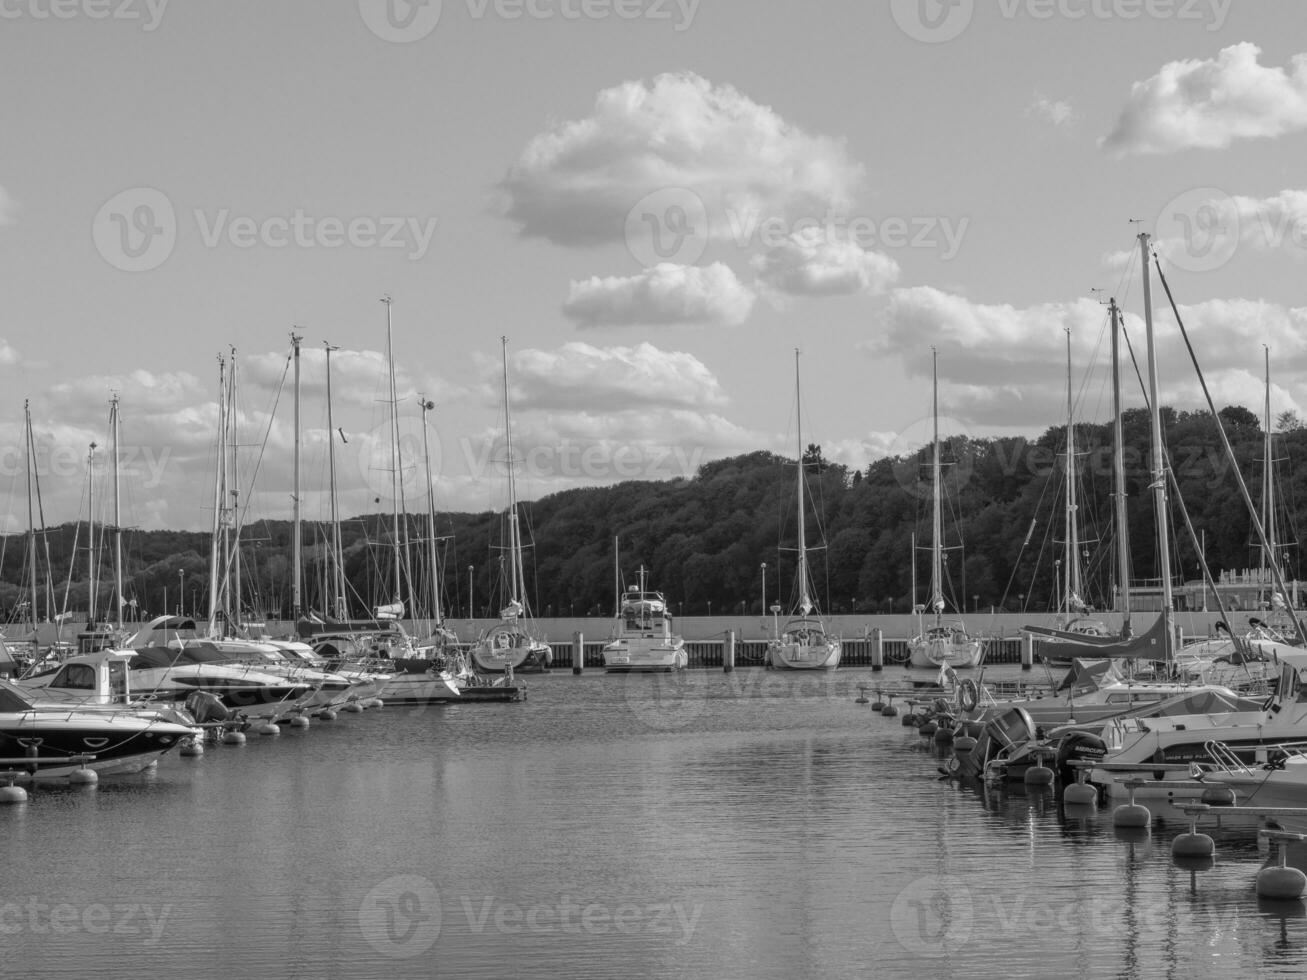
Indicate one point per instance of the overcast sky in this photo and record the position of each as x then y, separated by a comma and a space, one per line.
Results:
655, 201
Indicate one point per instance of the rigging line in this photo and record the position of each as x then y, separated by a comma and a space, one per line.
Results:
1276, 573
243, 512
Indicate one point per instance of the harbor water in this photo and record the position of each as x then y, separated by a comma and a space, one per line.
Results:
754, 825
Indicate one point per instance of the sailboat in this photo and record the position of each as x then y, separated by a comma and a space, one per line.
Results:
509, 645
943, 644
804, 643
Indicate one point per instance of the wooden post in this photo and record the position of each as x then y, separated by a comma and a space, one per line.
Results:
877, 649
578, 652
1027, 651
728, 653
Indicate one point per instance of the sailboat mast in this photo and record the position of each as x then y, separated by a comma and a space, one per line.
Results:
233, 604
338, 576
437, 616
297, 533
117, 516
90, 533
937, 520
516, 574
805, 601
394, 455
1118, 475
1072, 534
1158, 461
31, 519
1268, 482
219, 497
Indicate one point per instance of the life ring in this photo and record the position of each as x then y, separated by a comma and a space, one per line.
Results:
968, 695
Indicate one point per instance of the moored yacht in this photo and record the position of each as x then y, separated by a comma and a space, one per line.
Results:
643, 640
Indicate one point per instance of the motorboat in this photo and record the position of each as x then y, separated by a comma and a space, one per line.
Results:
643, 640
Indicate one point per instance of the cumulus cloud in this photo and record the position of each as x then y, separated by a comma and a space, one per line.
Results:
1055, 112
665, 294
576, 183
814, 265
1211, 103
578, 376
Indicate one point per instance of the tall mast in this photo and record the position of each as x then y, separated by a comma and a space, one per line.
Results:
1118, 476
1158, 461
517, 576
90, 533
1072, 535
219, 500
805, 601
31, 519
234, 490
297, 534
394, 454
1268, 481
337, 578
437, 616
937, 520
117, 516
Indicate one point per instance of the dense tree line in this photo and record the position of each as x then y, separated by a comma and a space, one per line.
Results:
703, 541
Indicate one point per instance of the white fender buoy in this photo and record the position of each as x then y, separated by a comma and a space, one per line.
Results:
191, 748
327, 714
233, 737
943, 735
268, 728
963, 743
889, 711
1132, 814
12, 793
299, 721
1219, 795
1279, 881
83, 777
1080, 794
353, 707
374, 703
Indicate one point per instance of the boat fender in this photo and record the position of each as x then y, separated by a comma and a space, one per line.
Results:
968, 695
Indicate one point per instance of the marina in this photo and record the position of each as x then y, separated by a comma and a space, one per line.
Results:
629, 830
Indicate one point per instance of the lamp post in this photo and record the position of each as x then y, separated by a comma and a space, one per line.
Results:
764, 588
710, 608
975, 603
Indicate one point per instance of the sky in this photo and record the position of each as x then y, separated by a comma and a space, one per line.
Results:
656, 202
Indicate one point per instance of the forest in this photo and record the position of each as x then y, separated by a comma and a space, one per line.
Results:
704, 541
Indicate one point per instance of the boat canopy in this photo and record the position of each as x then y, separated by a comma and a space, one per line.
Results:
1149, 645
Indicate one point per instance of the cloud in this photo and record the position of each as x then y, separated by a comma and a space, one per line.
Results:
1056, 112
576, 183
8, 354
578, 376
812, 265
665, 294
1211, 103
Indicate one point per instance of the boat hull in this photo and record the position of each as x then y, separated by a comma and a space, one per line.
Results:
634, 657
418, 689
797, 656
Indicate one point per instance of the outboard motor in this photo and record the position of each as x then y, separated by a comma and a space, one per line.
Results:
206, 707
1078, 747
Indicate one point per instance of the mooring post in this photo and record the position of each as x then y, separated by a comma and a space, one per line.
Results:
578, 652
877, 649
728, 653
1027, 651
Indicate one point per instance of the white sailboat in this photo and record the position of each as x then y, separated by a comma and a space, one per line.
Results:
509, 645
803, 644
942, 644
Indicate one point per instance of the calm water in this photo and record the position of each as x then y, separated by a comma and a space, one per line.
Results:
756, 825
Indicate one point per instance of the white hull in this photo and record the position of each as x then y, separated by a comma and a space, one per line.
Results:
419, 689
635, 656
802, 656
938, 653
